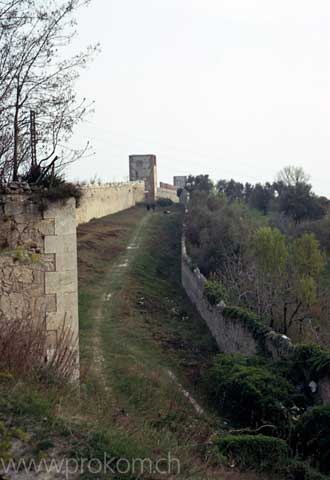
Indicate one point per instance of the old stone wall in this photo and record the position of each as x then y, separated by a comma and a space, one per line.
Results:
167, 186
38, 264
231, 334
167, 193
99, 201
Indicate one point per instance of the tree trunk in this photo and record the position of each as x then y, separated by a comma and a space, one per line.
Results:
16, 134
285, 319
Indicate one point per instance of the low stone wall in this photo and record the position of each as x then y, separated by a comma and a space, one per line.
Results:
166, 193
232, 335
38, 264
102, 200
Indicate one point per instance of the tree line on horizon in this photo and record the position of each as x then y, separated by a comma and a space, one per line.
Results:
291, 193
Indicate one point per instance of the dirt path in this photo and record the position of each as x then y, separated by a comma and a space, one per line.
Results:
116, 281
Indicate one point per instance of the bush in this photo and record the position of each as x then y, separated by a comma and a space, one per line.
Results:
296, 470
61, 192
251, 391
215, 292
24, 353
164, 202
254, 452
309, 362
311, 437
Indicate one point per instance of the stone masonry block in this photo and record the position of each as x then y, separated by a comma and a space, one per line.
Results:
55, 320
57, 209
48, 262
65, 224
47, 226
46, 303
66, 262
61, 282
61, 244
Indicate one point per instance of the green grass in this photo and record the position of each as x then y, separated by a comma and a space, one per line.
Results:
128, 406
147, 329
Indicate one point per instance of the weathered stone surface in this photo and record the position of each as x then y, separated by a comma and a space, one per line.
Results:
38, 263
99, 201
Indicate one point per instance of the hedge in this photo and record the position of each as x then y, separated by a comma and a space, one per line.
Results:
250, 390
260, 453
311, 438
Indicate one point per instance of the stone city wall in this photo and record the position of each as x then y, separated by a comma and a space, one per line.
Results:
166, 193
100, 201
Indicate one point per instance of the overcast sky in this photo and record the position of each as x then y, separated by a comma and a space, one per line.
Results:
233, 88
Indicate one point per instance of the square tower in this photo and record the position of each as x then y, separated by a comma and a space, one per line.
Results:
144, 168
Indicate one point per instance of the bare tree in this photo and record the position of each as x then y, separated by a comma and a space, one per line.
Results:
36, 77
291, 176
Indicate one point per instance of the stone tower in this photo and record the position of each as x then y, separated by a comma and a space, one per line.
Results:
144, 167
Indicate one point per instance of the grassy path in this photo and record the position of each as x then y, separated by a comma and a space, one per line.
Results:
146, 345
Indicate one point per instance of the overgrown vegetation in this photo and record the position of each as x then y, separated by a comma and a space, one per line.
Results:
262, 249
312, 437
266, 260
252, 392
215, 292
59, 190
24, 353
259, 452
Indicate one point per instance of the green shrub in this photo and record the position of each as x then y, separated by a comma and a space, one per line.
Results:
215, 292
311, 438
164, 202
297, 470
250, 390
254, 452
59, 192
308, 362
250, 319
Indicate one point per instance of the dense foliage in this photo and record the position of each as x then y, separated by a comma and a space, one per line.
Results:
215, 292
257, 452
312, 437
251, 391
265, 259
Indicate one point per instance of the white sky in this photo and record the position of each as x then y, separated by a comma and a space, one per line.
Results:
233, 88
